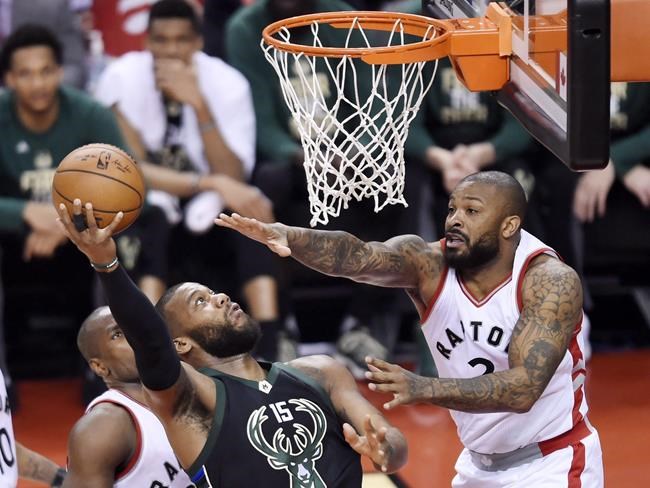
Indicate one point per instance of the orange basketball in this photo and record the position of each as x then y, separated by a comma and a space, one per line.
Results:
105, 176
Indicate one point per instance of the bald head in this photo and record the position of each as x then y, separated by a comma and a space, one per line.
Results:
510, 194
87, 338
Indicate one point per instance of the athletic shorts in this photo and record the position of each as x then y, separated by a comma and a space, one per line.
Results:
579, 465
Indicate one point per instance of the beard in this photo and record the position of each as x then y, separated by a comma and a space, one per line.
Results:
478, 254
225, 340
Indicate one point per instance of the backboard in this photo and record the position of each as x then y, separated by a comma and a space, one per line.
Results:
560, 95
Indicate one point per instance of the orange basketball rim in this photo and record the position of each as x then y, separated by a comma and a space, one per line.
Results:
478, 48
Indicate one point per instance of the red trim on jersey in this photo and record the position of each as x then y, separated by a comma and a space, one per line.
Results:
577, 465
524, 268
138, 442
436, 295
576, 355
476, 301
569, 438
438, 292
143, 405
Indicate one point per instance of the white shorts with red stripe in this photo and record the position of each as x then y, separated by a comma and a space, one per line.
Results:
579, 465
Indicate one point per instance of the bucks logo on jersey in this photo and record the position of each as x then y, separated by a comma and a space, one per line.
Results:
297, 454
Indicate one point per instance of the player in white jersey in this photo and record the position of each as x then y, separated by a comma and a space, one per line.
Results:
502, 316
119, 442
18, 461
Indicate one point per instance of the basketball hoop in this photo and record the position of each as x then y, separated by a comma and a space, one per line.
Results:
353, 136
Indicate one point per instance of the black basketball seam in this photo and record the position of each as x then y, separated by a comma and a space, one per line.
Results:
97, 209
103, 176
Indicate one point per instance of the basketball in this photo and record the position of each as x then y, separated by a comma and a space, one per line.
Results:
105, 176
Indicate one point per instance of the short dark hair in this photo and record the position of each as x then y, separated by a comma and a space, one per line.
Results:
29, 35
515, 202
161, 308
174, 9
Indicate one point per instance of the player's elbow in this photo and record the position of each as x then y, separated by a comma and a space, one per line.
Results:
399, 451
523, 407
525, 401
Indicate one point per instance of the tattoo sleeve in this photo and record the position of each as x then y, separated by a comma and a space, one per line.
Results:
394, 263
552, 297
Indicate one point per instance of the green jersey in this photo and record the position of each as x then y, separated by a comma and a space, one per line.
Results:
28, 160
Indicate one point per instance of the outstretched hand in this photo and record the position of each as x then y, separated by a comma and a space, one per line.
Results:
405, 386
97, 244
373, 444
272, 235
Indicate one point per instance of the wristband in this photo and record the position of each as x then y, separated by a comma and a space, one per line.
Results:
104, 267
57, 482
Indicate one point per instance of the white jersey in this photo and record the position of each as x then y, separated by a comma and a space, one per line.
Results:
154, 463
8, 461
469, 338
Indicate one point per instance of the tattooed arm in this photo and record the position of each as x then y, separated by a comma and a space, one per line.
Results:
35, 466
365, 429
401, 262
552, 306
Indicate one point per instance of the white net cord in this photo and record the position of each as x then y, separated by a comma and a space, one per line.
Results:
352, 136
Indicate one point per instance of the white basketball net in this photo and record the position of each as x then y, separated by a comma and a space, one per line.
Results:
353, 145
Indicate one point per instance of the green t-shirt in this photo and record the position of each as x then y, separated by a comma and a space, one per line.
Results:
28, 160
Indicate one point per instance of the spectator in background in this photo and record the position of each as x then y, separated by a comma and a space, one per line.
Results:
123, 23
629, 153
190, 116
41, 121
63, 18
281, 176
615, 200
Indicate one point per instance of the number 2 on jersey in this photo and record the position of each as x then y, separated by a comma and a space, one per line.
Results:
486, 363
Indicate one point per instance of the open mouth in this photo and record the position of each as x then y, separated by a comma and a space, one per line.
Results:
454, 240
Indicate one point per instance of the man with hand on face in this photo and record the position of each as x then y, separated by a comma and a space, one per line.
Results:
284, 419
502, 316
119, 441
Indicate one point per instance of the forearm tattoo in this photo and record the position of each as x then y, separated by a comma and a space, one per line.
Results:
338, 253
34, 466
552, 296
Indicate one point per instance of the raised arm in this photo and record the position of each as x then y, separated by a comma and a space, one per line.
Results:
401, 262
173, 392
552, 306
365, 428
